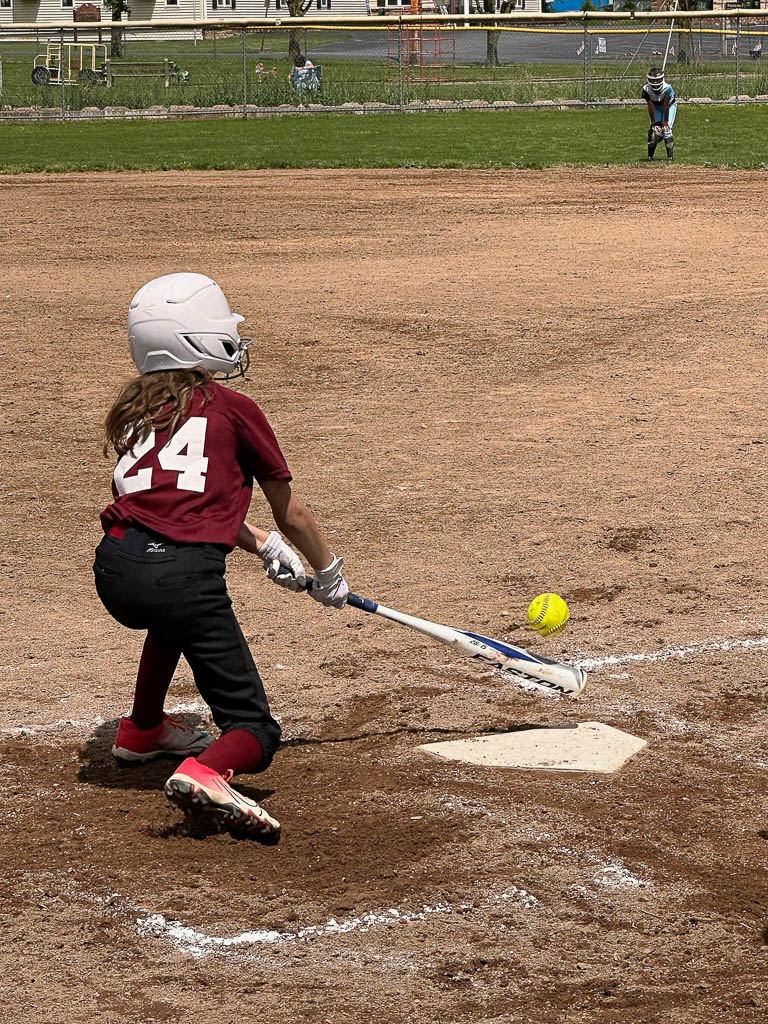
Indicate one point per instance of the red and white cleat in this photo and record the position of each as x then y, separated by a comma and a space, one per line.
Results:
171, 738
200, 791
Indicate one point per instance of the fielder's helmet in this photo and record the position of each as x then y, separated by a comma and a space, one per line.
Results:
655, 79
179, 321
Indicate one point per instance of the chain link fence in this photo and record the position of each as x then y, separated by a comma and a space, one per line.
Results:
394, 63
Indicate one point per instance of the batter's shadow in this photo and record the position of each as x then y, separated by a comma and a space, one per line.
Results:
98, 767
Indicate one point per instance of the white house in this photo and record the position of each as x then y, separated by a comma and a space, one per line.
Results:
44, 12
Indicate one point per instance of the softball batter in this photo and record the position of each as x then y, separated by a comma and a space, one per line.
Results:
188, 452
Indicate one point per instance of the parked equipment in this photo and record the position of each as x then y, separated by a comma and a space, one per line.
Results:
70, 64
88, 64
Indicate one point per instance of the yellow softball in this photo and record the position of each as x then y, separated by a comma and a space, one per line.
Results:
548, 614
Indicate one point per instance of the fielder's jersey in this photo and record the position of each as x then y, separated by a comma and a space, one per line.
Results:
196, 486
659, 99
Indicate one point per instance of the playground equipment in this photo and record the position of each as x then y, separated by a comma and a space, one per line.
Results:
70, 64
88, 64
426, 53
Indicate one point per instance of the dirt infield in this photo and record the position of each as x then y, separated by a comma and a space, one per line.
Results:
487, 385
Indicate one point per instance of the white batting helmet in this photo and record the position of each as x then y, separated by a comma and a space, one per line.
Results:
655, 80
183, 320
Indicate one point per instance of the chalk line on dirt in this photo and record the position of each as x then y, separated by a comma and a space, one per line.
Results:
18, 731
198, 943
616, 875
675, 652
610, 660
74, 723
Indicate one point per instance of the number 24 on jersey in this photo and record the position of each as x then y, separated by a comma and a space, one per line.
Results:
183, 454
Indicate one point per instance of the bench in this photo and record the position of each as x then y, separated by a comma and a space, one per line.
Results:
166, 69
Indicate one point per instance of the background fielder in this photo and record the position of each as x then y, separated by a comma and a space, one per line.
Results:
662, 110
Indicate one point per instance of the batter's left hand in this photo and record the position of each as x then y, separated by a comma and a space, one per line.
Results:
329, 586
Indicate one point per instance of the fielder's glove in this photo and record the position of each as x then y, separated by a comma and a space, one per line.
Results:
329, 586
657, 132
282, 564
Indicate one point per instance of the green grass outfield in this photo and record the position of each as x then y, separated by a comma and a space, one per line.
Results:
726, 136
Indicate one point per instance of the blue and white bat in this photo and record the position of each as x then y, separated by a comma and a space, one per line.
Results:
529, 668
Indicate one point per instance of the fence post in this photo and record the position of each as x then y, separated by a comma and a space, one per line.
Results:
585, 55
61, 75
245, 78
738, 58
401, 93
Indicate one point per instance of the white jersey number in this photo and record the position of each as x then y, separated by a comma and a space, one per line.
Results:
183, 454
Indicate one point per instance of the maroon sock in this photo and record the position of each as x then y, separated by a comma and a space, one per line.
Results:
156, 670
237, 751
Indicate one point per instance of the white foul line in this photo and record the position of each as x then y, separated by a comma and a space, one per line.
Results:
674, 652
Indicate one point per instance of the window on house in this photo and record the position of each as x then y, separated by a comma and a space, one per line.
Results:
5, 3
171, 3
323, 5
66, 3
219, 5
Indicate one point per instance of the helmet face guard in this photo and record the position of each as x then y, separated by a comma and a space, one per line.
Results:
656, 82
243, 362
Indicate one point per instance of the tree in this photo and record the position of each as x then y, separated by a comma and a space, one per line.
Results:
296, 9
686, 43
492, 35
116, 10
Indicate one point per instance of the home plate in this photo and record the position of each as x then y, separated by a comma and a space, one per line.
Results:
586, 747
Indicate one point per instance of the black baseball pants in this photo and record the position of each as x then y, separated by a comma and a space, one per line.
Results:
177, 592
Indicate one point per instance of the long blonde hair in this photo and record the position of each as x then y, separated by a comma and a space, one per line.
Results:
152, 401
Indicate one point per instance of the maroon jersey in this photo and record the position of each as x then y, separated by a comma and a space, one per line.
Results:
195, 486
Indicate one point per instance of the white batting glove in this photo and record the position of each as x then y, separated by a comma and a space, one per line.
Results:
330, 588
282, 564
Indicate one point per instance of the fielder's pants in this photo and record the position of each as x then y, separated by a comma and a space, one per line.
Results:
658, 113
178, 593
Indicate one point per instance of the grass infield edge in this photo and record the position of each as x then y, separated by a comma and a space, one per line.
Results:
710, 136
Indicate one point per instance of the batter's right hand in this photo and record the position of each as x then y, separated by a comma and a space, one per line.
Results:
329, 586
282, 564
